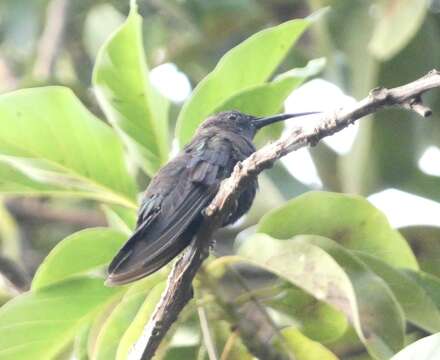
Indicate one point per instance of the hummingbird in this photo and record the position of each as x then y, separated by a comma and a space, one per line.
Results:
171, 210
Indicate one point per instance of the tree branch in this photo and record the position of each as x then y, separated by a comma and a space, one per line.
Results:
179, 288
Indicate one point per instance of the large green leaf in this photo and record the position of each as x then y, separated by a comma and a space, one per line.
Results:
268, 99
136, 110
247, 65
47, 134
13, 182
416, 302
37, 325
134, 331
122, 316
120, 218
315, 319
398, 22
332, 274
427, 348
78, 253
350, 220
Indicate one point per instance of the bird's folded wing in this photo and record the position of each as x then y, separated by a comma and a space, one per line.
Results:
158, 239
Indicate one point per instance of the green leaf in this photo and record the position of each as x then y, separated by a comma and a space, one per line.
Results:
348, 219
136, 110
427, 348
14, 182
48, 135
245, 66
430, 283
305, 348
122, 316
268, 99
80, 345
37, 325
425, 240
78, 253
417, 304
316, 319
120, 218
134, 331
398, 23
332, 274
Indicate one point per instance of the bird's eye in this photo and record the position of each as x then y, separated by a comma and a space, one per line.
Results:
232, 117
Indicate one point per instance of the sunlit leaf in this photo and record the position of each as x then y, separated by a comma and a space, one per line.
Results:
37, 325
120, 218
247, 65
78, 253
350, 220
134, 331
48, 135
136, 110
268, 99
122, 316
305, 348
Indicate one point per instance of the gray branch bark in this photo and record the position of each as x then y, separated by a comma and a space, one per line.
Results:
179, 283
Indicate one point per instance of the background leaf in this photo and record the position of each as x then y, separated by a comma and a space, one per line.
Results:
398, 23
249, 64
304, 348
332, 274
417, 304
348, 219
39, 324
78, 253
136, 110
122, 316
47, 134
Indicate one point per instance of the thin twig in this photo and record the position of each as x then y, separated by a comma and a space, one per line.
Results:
51, 38
206, 333
179, 288
229, 345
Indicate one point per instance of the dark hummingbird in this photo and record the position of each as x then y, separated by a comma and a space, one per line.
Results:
171, 210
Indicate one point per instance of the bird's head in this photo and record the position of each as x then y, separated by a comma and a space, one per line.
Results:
244, 124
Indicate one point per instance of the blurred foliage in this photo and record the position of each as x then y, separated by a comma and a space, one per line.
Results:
320, 276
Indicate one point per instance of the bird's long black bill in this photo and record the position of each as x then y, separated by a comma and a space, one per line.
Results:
261, 122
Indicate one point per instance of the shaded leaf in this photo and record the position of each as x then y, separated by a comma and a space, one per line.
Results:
37, 325
425, 242
332, 274
136, 110
47, 134
78, 253
350, 220
417, 304
316, 319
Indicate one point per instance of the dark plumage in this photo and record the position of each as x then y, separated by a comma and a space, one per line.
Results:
171, 210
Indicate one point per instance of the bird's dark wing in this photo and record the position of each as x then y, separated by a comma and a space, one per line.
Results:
170, 213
